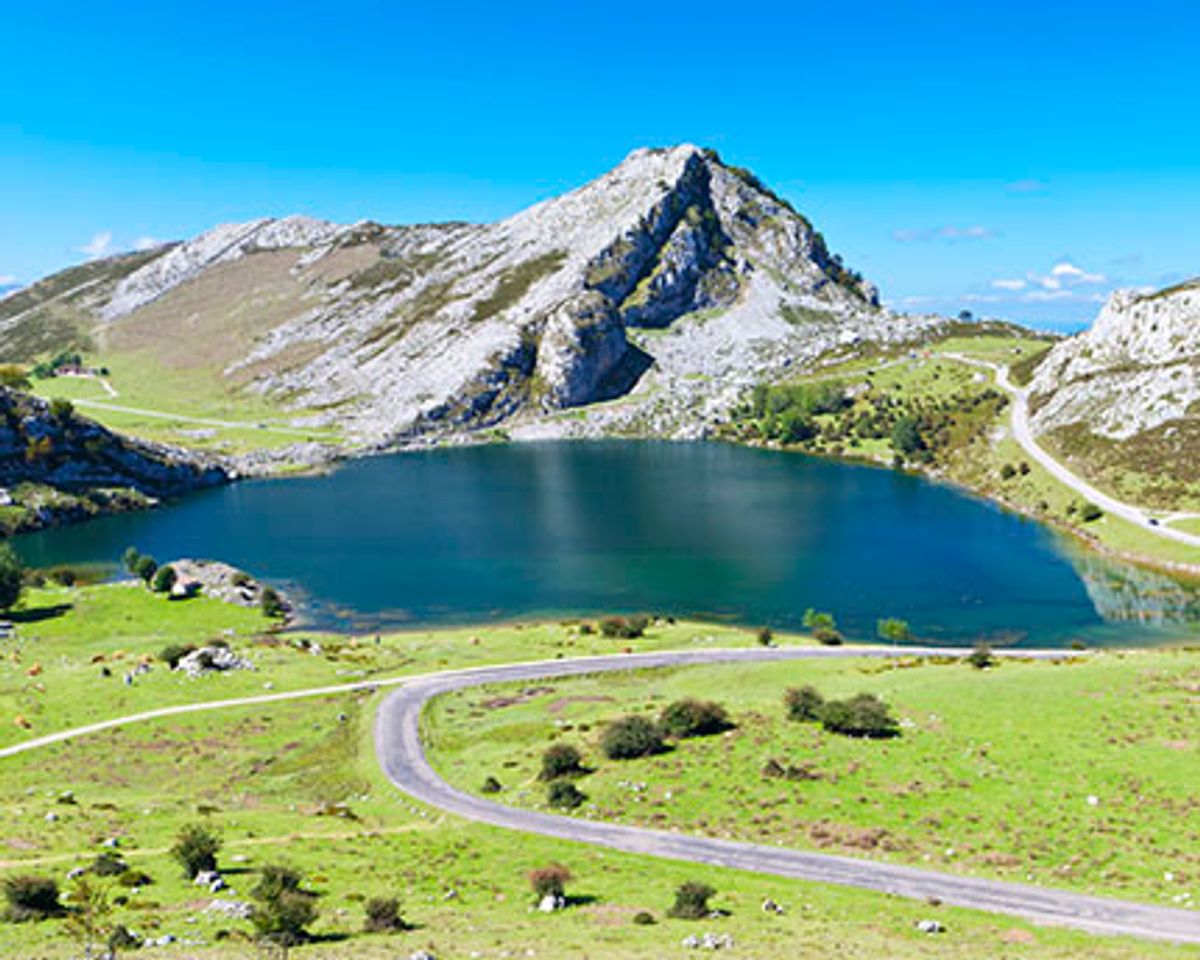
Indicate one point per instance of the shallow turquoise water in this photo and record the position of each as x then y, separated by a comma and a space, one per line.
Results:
499, 532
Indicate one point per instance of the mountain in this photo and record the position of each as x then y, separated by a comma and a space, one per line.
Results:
1122, 400
672, 283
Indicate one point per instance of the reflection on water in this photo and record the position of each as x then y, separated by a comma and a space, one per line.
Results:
1124, 593
707, 530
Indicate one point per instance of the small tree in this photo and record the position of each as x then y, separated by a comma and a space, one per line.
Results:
549, 881
691, 901
561, 760
893, 630
803, 704
90, 909
129, 559
822, 626
565, 795
271, 603
164, 579
282, 910
196, 849
863, 715
12, 575
629, 738
383, 915
693, 718
765, 636
28, 897
146, 568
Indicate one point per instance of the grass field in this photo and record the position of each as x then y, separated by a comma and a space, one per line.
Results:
991, 776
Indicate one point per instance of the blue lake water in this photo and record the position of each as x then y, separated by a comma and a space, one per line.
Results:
690, 529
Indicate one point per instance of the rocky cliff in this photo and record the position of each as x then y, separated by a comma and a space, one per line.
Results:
670, 284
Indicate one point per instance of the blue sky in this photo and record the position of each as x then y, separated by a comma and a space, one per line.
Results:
1014, 158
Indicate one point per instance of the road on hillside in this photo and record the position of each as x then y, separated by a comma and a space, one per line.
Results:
402, 756
1023, 434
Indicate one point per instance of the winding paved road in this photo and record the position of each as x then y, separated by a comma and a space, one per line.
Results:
1023, 434
402, 756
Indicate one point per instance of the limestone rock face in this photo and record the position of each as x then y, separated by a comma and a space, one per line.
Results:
669, 284
1137, 368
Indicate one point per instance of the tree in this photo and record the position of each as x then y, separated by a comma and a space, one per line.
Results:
561, 760
129, 559
629, 738
145, 568
282, 910
906, 437
863, 715
803, 704
691, 901
693, 718
90, 909
822, 626
271, 603
893, 630
564, 794
12, 575
196, 849
550, 881
164, 579
765, 637
28, 897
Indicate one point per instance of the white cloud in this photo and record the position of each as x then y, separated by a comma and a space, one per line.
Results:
1070, 273
1013, 284
146, 243
98, 246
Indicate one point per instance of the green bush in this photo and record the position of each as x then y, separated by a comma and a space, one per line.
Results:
172, 653
561, 760
491, 785
271, 603
145, 568
693, 718
691, 901
108, 865
803, 704
134, 878
893, 630
629, 738
822, 626
643, 918
122, 938
383, 915
981, 657
196, 849
1090, 512
164, 579
863, 715
765, 636
61, 409
29, 897
550, 881
624, 628
282, 910
565, 795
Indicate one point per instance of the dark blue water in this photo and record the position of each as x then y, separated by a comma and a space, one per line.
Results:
499, 532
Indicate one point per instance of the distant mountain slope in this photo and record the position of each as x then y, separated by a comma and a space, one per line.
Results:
674, 281
1123, 398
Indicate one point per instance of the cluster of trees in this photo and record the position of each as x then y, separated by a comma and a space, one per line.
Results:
863, 715
786, 413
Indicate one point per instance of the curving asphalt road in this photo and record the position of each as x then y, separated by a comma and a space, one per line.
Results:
402, 756
1023, 434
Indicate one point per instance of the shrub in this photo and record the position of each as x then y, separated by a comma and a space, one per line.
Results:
108, 865
145, 568
11, 577
893, 630
691, 901
63, 576
629, 738
134, 878
491, 785
765, 636
863, 715
822, 626
196, 849
271, 603
129, 559
561, 760
122, 938
981, 657
282, 910
383, 915
693, 718
164, 579
803, 704
1089, 512
565, 795
1007, 471
29, 897
622, 628
549, 881
61, 410
172, 653
643, 918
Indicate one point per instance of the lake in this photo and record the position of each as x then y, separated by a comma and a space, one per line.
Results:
690, 529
